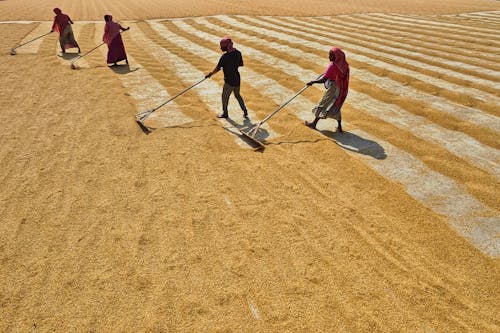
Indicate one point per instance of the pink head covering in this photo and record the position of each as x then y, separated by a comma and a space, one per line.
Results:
111, 29
61, 21
342, 75
339, 60
227, 42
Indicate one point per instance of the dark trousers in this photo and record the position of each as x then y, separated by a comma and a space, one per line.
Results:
226, 92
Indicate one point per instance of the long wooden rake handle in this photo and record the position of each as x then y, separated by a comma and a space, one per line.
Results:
92, 50
145, 114
83, 55
34, 39
254, 130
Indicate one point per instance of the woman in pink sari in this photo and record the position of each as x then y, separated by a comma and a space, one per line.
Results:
62, 25
113, 38
336, 81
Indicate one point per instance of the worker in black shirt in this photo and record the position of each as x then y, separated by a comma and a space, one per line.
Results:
229, 62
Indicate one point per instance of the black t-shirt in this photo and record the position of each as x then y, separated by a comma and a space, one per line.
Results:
229, 62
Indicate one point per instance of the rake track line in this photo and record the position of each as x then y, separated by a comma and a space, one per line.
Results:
396, 32
478, 94
308, 32
422, 183
190, 74
485, 17
466, 43
456, 110
431, 24
33, 47
423, 29
148, 92
406, 48
476, 19
482, 156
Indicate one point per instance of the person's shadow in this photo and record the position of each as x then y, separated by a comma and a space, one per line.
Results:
356, 144
261, 135
123, 69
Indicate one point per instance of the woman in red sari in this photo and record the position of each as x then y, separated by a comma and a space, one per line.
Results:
62, 25
336, 81
113, 38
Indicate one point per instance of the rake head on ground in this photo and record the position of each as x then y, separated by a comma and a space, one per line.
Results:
139, 118
13, 52
249, 137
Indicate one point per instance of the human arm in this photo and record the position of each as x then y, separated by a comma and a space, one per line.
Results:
216, 69
124, 29
320, 80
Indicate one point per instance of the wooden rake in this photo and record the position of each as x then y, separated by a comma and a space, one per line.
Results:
140, 117
73, 66
13, 50
251, 134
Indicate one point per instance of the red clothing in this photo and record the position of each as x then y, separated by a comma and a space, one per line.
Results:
111, 30
116, 50
113, 38
61, 21
332, 72
338, 71
63, 27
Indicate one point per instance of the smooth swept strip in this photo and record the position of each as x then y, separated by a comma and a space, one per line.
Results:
210, 94
306, 31
33, 47
475, 93
422, 28
415, 50
432, 41
458, 111
473, 220
431, 24
482, 156
148, 92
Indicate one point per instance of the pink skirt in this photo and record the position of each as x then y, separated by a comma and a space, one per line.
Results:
116, 50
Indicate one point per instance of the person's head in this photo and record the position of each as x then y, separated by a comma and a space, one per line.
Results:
331, 54
108, 18
57, 11
226, 44
337, 56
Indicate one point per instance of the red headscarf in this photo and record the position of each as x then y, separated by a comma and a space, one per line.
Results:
111, 30
342, 79
60, 21
227, 42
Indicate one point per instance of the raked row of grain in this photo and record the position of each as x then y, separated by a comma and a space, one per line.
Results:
407, 75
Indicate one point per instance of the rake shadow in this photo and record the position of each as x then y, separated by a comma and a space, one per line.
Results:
352, 142
247, 125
